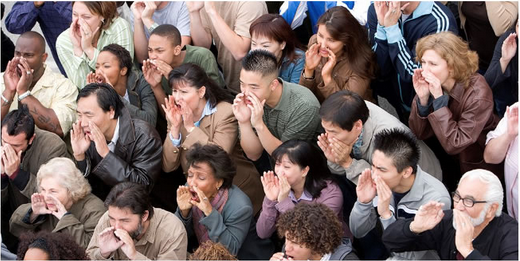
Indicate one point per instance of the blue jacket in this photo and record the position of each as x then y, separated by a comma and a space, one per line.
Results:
394, 46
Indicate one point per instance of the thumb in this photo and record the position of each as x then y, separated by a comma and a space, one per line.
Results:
20, 154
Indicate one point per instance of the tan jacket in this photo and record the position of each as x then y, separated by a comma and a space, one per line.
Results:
343, 78
80, 223
502, 15
219, 128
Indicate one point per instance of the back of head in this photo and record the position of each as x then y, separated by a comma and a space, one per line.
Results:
216, 158
261, 61
210, 250
19, 121
192, 75
64, 171
123, 56
58, 246
399, 145
106, 96
304, 155
274, 27
314, 226
494, 193
132, 196
344, 108
169, 32
456, 52
105, 9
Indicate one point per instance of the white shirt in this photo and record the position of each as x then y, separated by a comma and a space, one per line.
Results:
115, 137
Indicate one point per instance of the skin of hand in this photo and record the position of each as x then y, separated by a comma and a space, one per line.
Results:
108, 242
240, 109
509, 47
257, 111
463, 233
312, 60
285, 188
79, 141
341, 152
128, 246
326, 72
271, 185
427, 217
366, 188
11, 160
38, 205
60, 208
384, 195
512, 121
325, 146
173, 116
421, 87
434, 85
26, 78
99, 140
151, 74
203, 204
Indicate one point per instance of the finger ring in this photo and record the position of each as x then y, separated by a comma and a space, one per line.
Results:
393, 11
28, 72
205, 199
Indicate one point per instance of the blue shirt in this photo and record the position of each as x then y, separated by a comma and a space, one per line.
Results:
290, 72
53, 17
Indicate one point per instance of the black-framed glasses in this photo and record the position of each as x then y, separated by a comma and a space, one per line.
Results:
468, 202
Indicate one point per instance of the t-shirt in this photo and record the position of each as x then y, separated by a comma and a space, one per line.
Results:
296, 116
238, 16
204, 58
175, 13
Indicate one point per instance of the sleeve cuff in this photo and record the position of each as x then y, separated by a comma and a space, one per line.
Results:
175, 142
27, 218
440, 102
380, 33
423, 110
393, 34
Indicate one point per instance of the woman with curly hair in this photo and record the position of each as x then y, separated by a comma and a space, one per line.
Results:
312, 232
272, 33
49, 246
300, 176
453, 102
339, 57
63, 204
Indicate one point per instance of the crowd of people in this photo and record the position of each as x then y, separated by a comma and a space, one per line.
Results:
247, 131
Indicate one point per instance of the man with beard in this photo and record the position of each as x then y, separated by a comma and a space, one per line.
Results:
132, 229
474, 229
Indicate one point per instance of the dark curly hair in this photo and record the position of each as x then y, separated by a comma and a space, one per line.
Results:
59, 246
314, 226
210, 250
217, 159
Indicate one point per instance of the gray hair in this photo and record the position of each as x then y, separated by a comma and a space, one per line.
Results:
67, 175
494, 193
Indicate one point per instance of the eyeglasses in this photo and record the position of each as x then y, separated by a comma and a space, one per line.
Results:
468, 202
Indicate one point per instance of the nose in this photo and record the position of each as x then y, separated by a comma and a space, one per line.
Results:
117, 225
191, 182
152, 55
459, 205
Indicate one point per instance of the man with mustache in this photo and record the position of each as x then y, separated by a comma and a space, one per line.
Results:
475, 229
132, 229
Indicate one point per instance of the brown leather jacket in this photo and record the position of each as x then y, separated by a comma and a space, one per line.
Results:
461, 127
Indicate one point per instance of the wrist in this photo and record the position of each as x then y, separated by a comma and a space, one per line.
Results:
466, 251
386, 214
79, 157
147, 21
414, 229
346, 164
308, 73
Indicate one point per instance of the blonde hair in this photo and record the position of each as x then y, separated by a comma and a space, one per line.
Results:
64, 171
461, 60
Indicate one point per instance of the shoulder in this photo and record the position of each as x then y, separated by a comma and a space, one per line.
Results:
237, 199
433, 188
300, 95
166, 219
64, 38
479, 87
47, 139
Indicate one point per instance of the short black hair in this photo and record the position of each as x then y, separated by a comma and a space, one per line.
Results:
106, 96
218, 160
19, 121
399, 145
122, 54
170, 32
35, 37
344, 108
260, 61
133, 196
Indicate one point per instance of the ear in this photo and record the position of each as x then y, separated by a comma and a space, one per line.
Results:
112, 113
32, 139
305, 171
123, 71
407, 172
273, 84
283, 45
202, 91
44, 57
492, 210
219, 184
358, 125
145, 216
177, 50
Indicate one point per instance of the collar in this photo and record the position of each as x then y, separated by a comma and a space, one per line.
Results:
46, 81
208, 110
149, 235
325, 257
127, 133
424, 8
417, 191
285, 99
457, 92
305, 196
115, 137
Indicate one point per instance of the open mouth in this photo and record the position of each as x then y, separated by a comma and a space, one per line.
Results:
194, 196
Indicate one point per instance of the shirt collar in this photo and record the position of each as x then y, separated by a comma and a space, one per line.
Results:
424, 8
326, 257
115, 137
284, 100
46, 80
208, 110
305, 196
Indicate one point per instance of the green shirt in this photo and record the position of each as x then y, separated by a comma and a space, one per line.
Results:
296, 116
76, 67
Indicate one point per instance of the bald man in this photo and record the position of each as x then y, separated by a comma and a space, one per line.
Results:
50, 97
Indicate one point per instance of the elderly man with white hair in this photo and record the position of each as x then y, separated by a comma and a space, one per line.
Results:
474, 229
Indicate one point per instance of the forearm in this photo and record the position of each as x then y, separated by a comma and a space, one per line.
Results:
503, 64
22, 17
249, 141
140, 41
199, 36
496, 149
269, 142
6, 105
236, 44
44, 118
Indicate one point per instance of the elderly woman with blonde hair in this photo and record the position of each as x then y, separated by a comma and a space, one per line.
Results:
64, 203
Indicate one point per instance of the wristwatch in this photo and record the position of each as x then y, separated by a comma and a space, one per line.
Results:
24, 95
